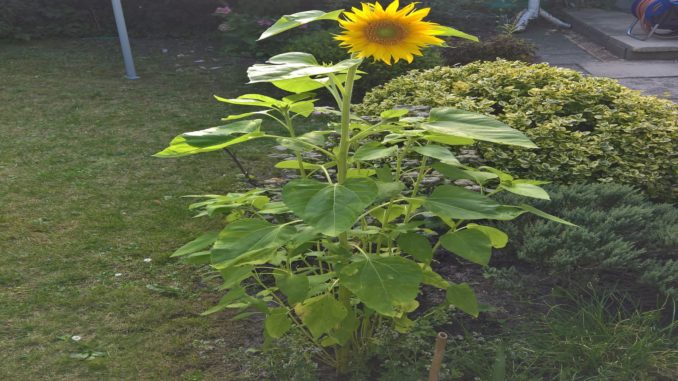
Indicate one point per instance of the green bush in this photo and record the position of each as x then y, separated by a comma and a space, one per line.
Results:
326, 49
623, 236
587, 128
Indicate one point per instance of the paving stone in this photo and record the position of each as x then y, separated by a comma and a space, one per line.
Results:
573, 51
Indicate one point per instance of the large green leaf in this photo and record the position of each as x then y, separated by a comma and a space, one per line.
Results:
463, 297
294, 164
299, 85
374, 151
417, 246
295, 65
542, 214
212, 139
233, 276
330, 208
277, 323
249, 236
450, 121
384, 284
454, 173
438, 152
321, 314
449, 201
197, 244
233, 295
526, 189
294, 287
451, 32
498, 238
254, 100
288, 22
471, 244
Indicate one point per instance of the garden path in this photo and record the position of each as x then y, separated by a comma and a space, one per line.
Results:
568, 49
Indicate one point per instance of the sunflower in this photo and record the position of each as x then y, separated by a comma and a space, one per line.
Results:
388, 34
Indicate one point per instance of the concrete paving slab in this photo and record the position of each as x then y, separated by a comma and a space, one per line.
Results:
571, 50
659, 87
630, 69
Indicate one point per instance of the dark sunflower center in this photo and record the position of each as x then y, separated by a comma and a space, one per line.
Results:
385, 32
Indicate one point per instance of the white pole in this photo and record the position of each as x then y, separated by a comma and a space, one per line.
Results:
130, 71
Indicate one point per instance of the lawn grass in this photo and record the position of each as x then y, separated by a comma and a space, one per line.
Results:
81, 200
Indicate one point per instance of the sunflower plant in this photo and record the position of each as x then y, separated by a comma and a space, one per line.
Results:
348, 245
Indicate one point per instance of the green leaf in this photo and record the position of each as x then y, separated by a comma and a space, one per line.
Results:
321, 314
438, 152
525, 189
360, 173
386, 215
451, 32
542, 214
388, 190
448, 201
315, 137
295, 65
304, 108
344, 331
417, 246
498, 238
434, 279
384, 284
454, 173
197, 244
385, 174
394, 114
374, 151
233, 276
463, 297
471, 244
503, 176
454, 122
277, 323
199, 258
294, 287
288, 22
254, 100
448, 140
245, 115
212, 139
234, 295
247, 236
294, 164
299, 85
330, 208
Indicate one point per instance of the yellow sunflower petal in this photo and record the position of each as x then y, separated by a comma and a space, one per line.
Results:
388, 34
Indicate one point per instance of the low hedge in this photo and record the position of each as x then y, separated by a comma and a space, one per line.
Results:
587, 128
622, 236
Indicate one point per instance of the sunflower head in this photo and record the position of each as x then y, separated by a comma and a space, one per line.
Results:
388, 34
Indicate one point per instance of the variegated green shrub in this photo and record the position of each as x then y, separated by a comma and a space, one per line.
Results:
587, 128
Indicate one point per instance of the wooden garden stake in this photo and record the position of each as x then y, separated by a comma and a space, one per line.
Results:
438, 353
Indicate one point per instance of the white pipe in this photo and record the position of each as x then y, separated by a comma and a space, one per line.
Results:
532, 12
553, 20
130, 70
533, 9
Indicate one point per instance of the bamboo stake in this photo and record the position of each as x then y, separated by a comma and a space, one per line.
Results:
438, 353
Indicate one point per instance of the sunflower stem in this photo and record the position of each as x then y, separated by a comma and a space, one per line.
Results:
345, 141
344, 352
